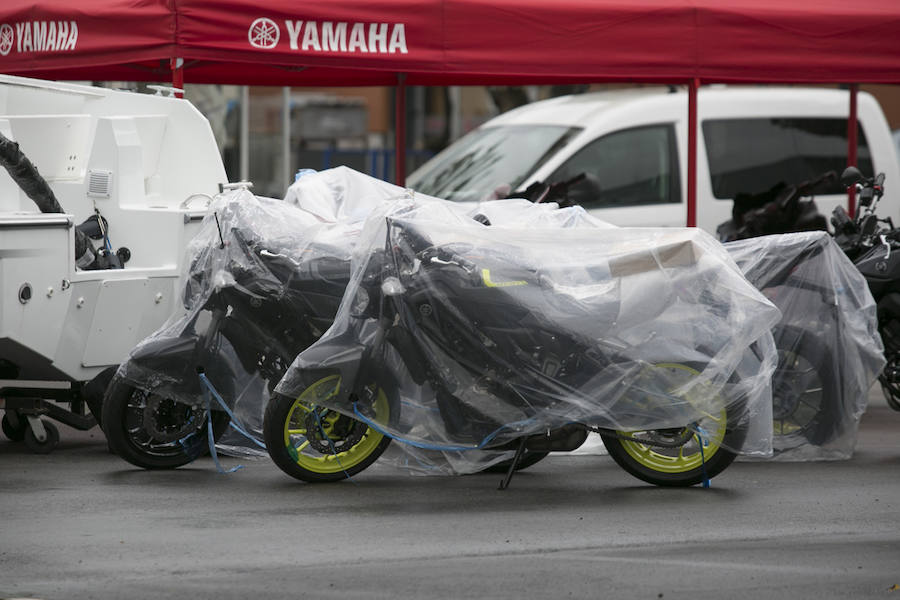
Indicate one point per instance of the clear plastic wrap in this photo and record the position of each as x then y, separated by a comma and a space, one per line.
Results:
524, 214
264, 280
628, 330
342, 195
479, 335
829, 349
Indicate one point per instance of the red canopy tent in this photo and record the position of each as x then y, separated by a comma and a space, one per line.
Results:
457, 42
454, 42
95, 39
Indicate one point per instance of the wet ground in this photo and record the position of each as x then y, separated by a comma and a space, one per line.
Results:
81, 523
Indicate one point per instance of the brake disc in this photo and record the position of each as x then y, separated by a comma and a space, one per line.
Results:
330, 434
168, 420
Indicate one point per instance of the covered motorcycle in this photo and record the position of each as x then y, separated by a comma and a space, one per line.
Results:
829, 349
460, 338
265, 280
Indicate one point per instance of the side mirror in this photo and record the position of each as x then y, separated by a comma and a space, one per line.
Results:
851, 176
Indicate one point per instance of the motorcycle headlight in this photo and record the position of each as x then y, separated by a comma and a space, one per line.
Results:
360, 302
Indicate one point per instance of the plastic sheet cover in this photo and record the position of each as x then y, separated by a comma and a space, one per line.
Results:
263, 280
829, 349
481, 334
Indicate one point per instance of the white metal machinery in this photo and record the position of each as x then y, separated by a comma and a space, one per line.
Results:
147, 164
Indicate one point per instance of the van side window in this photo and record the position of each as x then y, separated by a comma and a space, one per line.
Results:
627, 168
752, 156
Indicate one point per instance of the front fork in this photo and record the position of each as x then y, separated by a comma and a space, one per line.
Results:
208, 343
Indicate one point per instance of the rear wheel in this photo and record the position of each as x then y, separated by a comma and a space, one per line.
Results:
153, 431
804, 392
682, 456
316, 444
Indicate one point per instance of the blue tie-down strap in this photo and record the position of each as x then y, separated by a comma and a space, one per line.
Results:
703, 442
442, 447
209, 392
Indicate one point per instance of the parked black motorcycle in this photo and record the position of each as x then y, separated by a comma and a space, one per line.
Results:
491, 355
827, 355
828, 348
252, 305
873, 243
785, 208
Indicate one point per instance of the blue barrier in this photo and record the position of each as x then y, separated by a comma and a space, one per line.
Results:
375, 162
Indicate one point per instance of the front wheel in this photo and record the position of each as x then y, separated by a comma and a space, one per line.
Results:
153, 431
683, 456
316, 444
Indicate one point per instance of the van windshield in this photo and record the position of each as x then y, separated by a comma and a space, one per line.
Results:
489, 162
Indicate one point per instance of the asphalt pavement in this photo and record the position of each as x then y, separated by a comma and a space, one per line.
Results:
81, 523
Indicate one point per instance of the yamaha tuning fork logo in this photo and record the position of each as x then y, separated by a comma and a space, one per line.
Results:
6, 39
264, 33
330, 36
38, 36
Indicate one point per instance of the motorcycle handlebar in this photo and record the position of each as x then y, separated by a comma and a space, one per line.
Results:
854, 177
807, 187
541, 191
561, 188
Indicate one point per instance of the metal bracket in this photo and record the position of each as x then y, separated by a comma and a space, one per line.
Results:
37, 428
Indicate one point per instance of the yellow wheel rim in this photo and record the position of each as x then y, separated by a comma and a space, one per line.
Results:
295, 432
683, 458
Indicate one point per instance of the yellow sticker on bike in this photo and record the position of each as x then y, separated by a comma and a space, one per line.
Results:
486, 277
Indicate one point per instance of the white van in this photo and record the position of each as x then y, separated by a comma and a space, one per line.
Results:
632, 145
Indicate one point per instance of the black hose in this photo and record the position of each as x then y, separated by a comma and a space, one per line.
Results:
26, 176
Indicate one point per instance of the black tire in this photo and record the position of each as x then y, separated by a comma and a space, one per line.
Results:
94, 391
712, 462
95, 407
690, 463
891, 392
890, 383
339, 447
805, 392
14, 431
47, 446
528, 459
123, 424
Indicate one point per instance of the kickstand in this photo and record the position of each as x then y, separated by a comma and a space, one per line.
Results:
512, 467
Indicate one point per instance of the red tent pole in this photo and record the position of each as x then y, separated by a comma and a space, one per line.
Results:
400, 131
693, 86
851, 147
